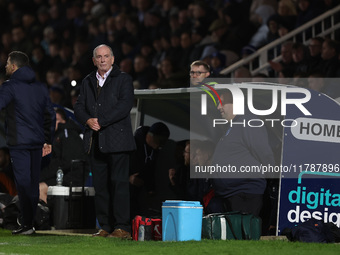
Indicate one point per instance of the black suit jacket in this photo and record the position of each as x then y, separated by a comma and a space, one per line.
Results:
112, 108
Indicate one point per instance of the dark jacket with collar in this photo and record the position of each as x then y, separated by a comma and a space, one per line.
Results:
112, 108
67, 146
242, 146
30, 117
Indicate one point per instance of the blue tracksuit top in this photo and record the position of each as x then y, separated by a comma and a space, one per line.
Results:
30, 117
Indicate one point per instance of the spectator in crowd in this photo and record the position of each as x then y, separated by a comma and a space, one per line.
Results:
143, 6
287, 13
283, 29
41, 62
300, 57
273, 24
43, 16
200, 41
184, 18
187, 48
166, 47
286, 62
315, 48
57, 93
218, 63
149, 139
129, 48
259, 39
220, 33
175, 42
49, 35
53, 76
170, 77
153, 24
67, 146
126, 65
207, 52
108, 139
6, 41
56, 21
82, 56
174, 22
54, 53
133, 27
202, 14
255, 12
144, 74
65, 54
329, 65
307, 10
168, 8
241, 29
21, 41
147, 50
96, 36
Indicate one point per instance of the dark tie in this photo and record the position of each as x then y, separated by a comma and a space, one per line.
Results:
98, 89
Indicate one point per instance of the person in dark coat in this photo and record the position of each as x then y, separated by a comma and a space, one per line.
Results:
67, 146
143, 166
30, 123
103, 107
241, 146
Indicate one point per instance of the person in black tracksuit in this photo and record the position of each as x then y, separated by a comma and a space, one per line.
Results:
242, 145
143, 167
67, 146
30, 123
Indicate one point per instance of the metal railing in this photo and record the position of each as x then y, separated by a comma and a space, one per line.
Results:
258, 62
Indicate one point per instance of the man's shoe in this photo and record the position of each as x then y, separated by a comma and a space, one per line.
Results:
120, 233
101, 233
24, 230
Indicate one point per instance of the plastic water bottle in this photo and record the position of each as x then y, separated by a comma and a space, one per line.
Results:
60, 176
141, 233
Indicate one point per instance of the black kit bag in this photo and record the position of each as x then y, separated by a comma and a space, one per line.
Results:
233, 225
313, 231
12, 216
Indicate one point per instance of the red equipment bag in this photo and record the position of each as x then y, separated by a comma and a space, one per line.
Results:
144, 229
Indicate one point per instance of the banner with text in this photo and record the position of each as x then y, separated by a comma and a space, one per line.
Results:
311, 150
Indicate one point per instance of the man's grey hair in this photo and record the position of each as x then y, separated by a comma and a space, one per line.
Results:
99, 46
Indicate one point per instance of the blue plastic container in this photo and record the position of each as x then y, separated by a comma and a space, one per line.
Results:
181, 220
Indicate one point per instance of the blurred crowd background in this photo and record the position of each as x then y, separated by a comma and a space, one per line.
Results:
153, 40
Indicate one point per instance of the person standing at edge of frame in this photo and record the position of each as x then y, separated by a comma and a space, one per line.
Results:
103, 106
30, 123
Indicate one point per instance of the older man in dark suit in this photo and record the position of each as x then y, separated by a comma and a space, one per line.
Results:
103, 106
